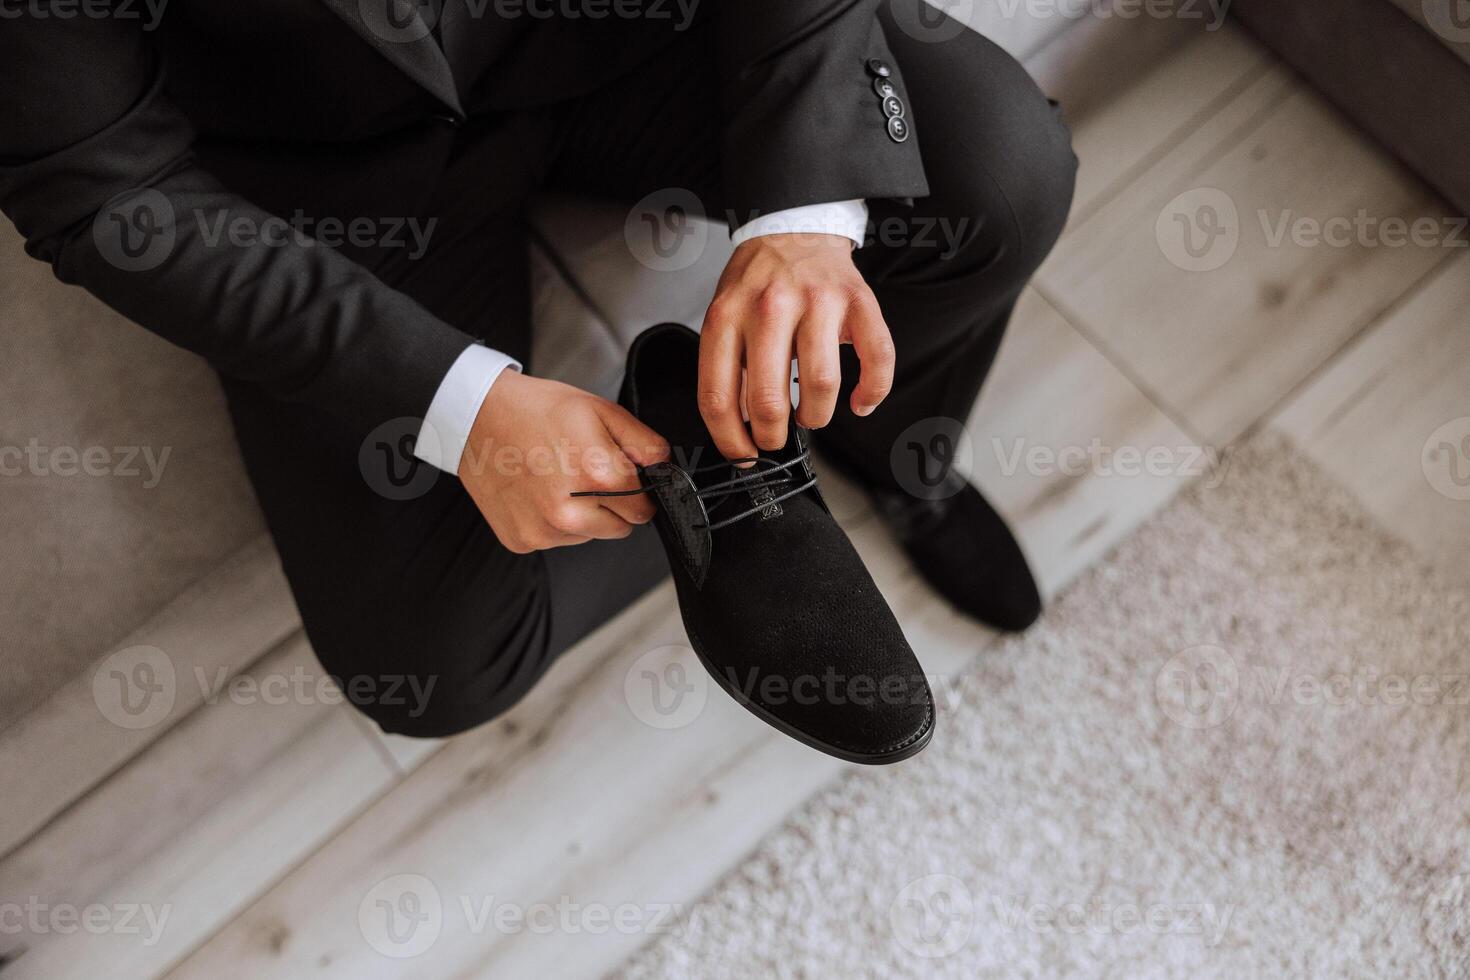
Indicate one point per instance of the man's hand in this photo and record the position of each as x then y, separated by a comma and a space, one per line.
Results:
534, 442
785, 295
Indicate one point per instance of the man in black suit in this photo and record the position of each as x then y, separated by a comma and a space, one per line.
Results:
187, 170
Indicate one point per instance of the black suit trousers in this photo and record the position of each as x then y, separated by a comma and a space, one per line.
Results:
395, 571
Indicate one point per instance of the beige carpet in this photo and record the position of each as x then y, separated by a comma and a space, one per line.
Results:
1238, 748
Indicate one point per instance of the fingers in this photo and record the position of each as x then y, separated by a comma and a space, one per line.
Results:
536, 535
768, 368
720, 353
818, 366
585, 519
864, 326
629, 442
567, 522
637, 441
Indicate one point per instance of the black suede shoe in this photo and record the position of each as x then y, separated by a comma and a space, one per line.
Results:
776, 601
964, 549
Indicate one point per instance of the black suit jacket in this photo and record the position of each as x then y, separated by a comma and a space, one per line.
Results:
115, 119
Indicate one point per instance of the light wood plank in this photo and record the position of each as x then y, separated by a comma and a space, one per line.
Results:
1132, 89
65, 747
1219, 345
200, 823
1376, 419
1046, 435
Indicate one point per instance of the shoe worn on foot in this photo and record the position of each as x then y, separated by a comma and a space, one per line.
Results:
776, 601
964, 549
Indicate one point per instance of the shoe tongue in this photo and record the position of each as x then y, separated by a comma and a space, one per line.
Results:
762, 489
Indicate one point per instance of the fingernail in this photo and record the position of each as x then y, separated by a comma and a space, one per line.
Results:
864, 410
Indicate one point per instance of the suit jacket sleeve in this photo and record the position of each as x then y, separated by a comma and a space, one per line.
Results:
90, 146
802, 123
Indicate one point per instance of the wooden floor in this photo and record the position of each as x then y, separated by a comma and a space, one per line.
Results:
268, 832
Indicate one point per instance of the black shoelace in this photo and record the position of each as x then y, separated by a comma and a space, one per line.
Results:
720, 492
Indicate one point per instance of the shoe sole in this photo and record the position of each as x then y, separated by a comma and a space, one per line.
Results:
913, 746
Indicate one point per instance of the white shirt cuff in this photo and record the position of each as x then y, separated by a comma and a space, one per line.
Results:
846, 218
456, 404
